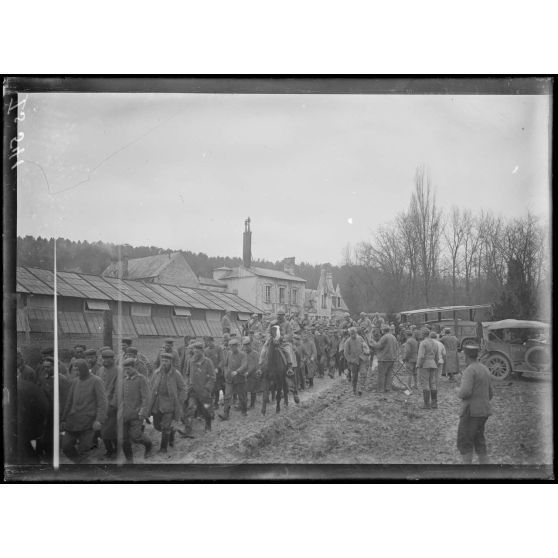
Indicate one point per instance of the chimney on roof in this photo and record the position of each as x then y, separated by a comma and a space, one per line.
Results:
289, 266
247, 245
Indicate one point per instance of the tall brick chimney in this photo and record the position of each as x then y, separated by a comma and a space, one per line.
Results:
247, 245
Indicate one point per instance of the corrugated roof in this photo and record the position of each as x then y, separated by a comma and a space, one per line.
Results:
263, 272
143, 268
94, 287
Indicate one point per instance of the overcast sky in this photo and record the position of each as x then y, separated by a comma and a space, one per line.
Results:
313, 172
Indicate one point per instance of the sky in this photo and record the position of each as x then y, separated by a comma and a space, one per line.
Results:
313, 172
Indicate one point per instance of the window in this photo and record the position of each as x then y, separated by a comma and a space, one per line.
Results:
282, 295
182, 312
294, 296
324, 301
96, 305
140, 310
267, 293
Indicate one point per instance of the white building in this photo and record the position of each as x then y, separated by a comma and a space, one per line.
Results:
269, 289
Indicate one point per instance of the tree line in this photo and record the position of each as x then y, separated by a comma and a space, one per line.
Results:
95, 257
428, 257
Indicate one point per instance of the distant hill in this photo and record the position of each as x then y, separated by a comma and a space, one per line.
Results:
94, 258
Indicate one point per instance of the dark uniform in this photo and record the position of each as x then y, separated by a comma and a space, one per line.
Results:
216, 356
132, 407
201, 381
235, 382
249, 367
168, 393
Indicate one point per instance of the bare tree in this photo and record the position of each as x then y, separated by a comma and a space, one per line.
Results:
426, 220
471, 243
454, 234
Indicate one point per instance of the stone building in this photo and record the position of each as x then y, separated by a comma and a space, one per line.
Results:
268, 289
325, 301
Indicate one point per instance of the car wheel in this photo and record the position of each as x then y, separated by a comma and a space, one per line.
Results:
499, 366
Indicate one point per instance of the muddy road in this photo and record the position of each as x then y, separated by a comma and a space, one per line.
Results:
331, 425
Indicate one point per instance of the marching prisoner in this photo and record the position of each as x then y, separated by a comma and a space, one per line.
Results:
410, 353
386, 353
108, 374
84, 412
201, 380
427, 363
167, 395
235, 381
132, 406
217, 357
476, 393
452, 358
357, 355
249, 366
168, 349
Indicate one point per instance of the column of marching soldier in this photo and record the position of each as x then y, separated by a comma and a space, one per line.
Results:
109, 397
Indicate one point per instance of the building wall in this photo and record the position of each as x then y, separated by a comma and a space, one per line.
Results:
178, 272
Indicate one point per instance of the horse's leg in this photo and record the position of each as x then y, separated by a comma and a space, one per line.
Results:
265, 394
286, 390
278, 399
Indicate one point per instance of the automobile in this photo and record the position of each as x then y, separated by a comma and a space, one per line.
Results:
467, 332
515, 346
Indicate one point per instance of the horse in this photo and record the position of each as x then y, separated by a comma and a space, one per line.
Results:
274, 373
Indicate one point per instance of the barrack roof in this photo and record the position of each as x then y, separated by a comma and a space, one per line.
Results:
95, 287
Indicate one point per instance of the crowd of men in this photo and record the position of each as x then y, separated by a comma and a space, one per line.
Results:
107, 396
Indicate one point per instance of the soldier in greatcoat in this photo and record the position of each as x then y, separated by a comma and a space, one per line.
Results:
452, 359
309, 355
168, 347
199, 387
132, 409
108, 374
410, 353
235, 381
217, 357
167, 396
84, 412
249, 366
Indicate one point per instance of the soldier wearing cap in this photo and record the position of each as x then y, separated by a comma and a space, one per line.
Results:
216, 356
476, 393
62, 369
357, 355
200, 384
108, 373
249, 367
45, 443
132, 400
427, 363
410, 353
309, 354
284, 326
235, 381
24, 371
167, 395
79, 353
140, 367
168, 348
84, 412
322, 346
441, 353
452, 358
91, 359
387, 353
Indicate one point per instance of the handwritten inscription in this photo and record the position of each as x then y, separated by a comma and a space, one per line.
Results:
16, 148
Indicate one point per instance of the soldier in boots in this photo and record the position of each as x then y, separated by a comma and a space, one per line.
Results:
235, 381
427, 363
201, 380
132, 406
249, 367
108, 374
216, 356
168, 393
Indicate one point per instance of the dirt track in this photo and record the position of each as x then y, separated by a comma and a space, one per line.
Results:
331, 425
